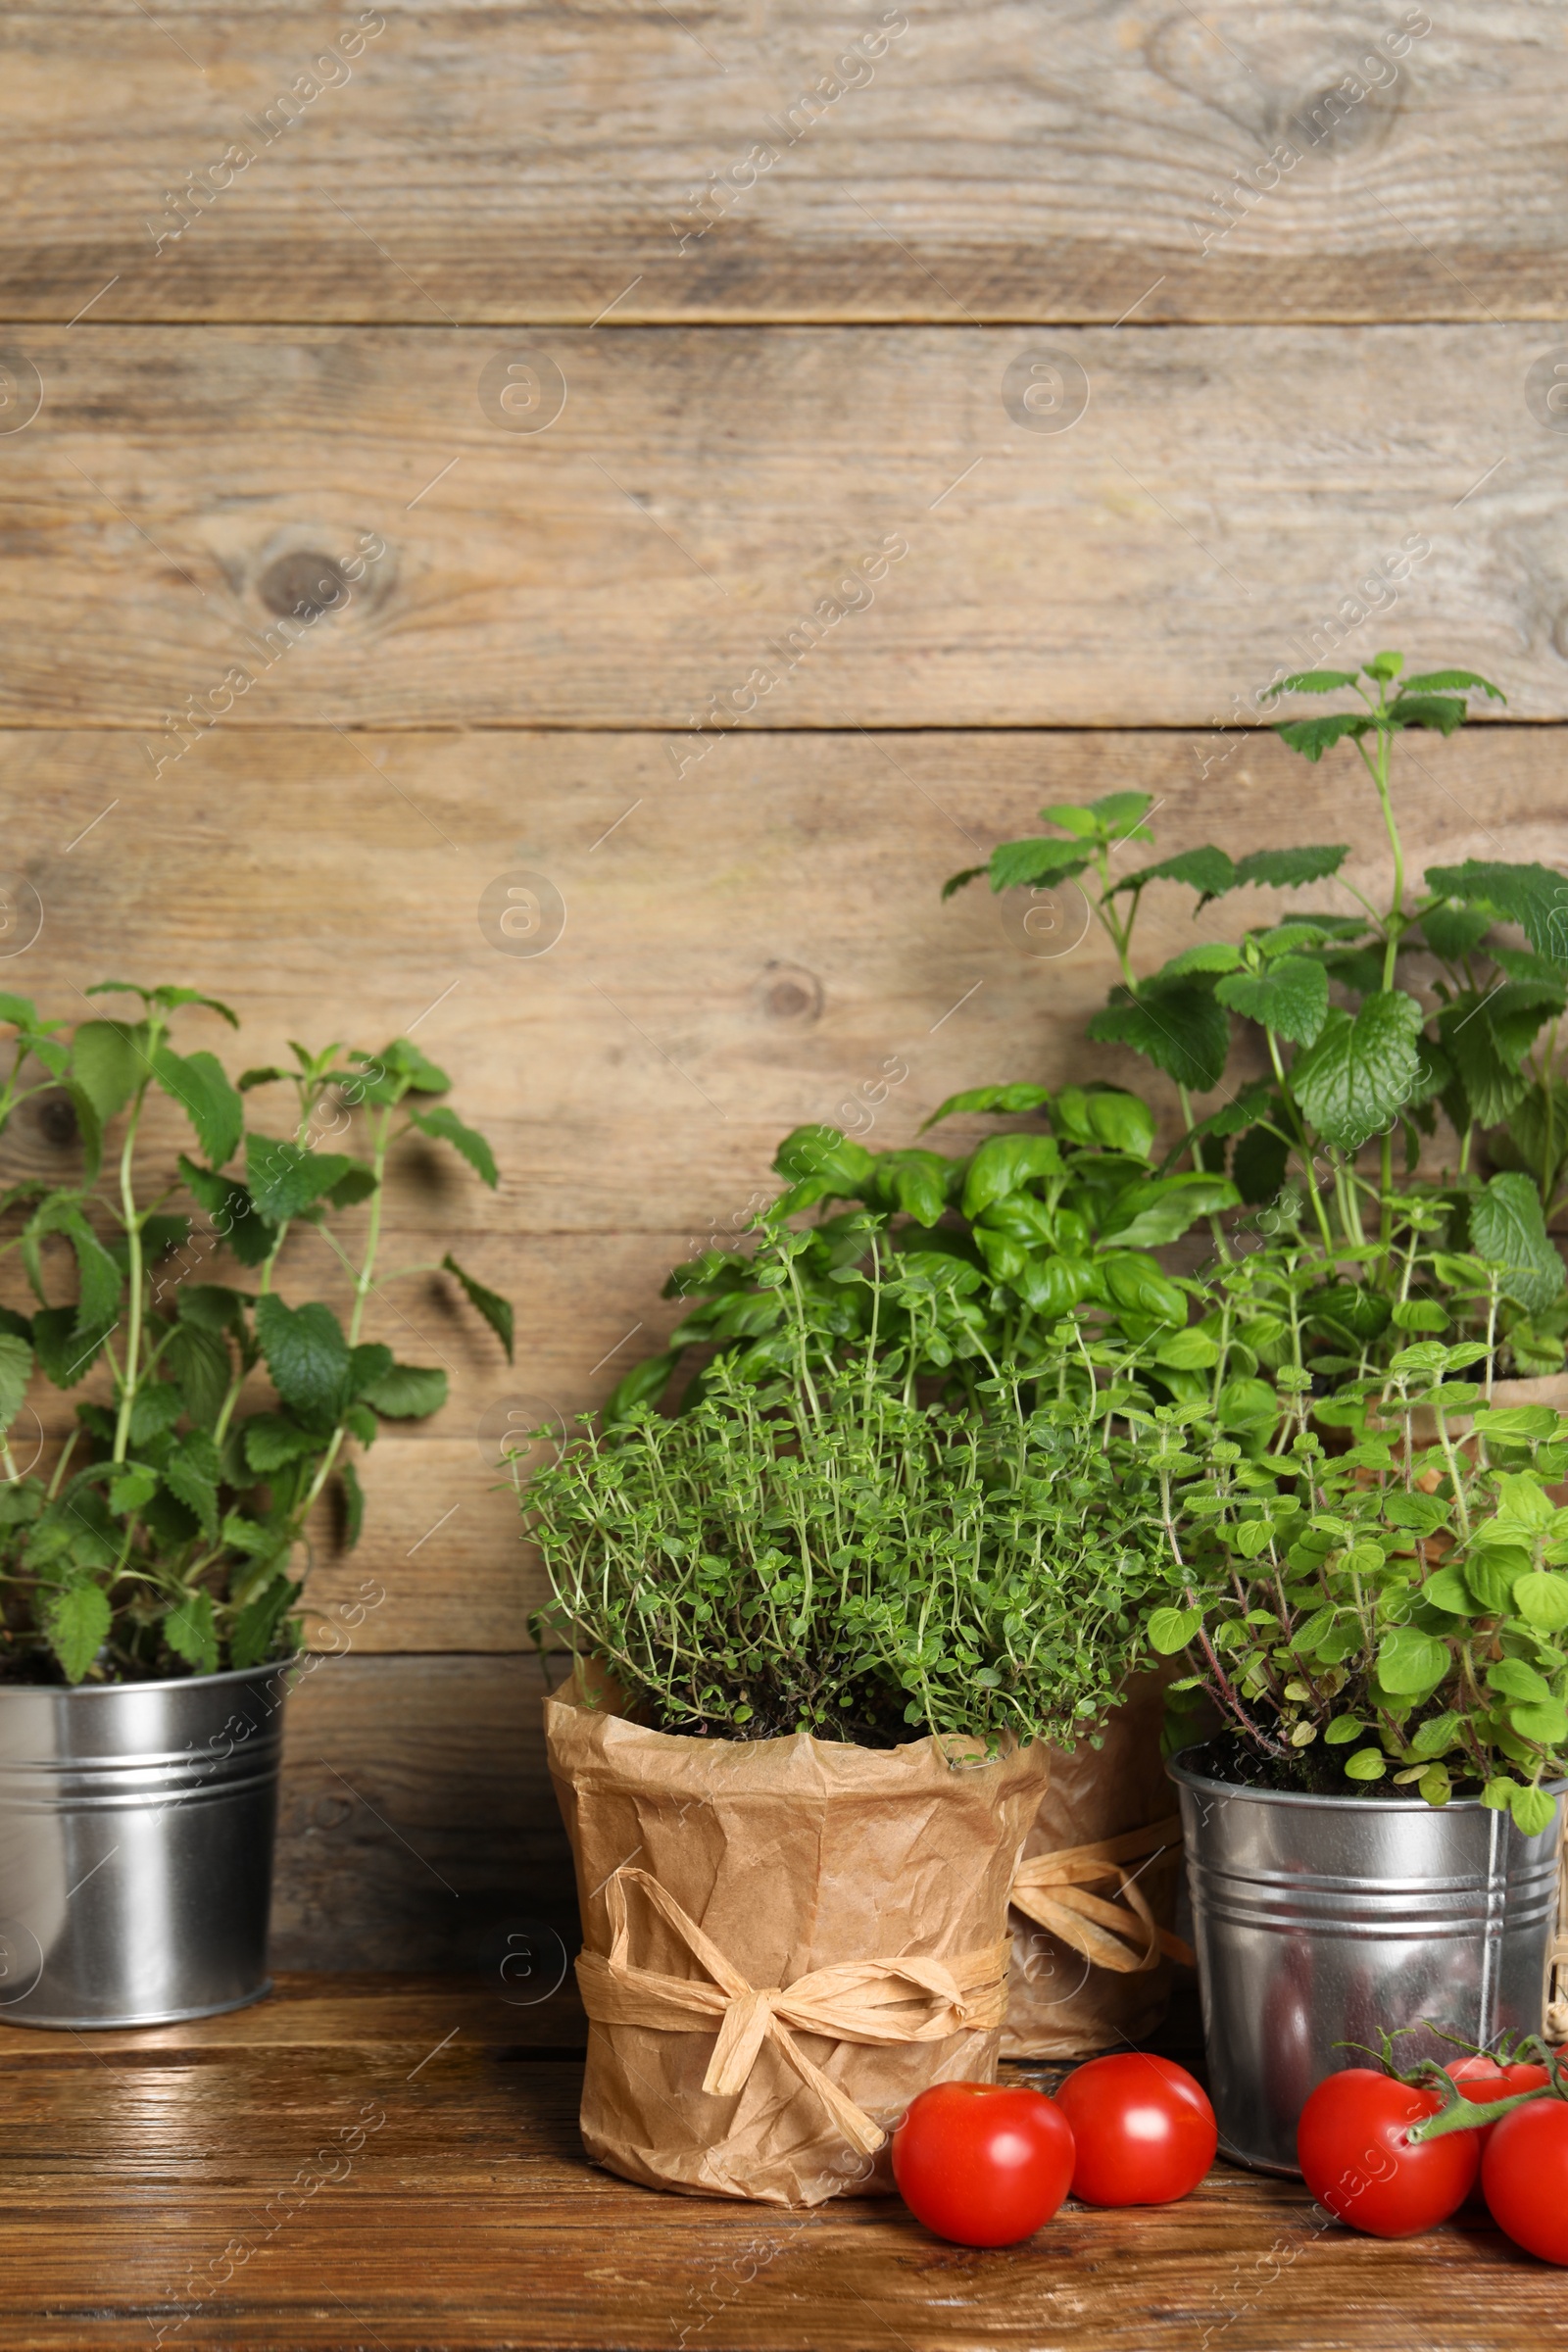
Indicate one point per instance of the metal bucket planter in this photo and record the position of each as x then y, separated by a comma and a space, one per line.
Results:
1318, 1920
136, 1829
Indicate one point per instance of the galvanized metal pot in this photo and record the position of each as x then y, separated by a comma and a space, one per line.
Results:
1320, 1920
137, 1831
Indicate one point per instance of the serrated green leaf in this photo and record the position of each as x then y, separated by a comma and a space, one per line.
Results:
271, 1442
107, 1062
64, 1358
16, 1371
255, 1632
353, 1505
199, 1083
191, 1474
1443, 714
284, 1178
199, 1361
1020, 864
1209, 956
1291, 997
132, 1486
1359, 1072
407, 1393
191, 1634
1292, 869
1177, 1025
1309, 681
1508, 1230
1207, 870
1455, 681
1532, 1809
76, 1621
307, 1354
1312, 737
1532, 896
496, 1310
444, 1126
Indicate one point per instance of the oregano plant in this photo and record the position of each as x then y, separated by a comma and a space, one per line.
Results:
168, 1538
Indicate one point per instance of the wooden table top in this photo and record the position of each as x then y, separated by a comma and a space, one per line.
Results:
392, 2161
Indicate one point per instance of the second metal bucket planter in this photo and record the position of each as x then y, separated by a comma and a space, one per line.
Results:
137, 1831
1322, 1920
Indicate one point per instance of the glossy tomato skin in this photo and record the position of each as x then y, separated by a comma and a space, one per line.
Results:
983, 2163
1145, 2131
1351, 2147
1524, 2177
1482, 2080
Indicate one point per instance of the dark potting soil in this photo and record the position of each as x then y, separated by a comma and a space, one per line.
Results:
873, 1719
1306, 1772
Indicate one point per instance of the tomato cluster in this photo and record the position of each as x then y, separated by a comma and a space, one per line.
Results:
987, 2164
1358, 2161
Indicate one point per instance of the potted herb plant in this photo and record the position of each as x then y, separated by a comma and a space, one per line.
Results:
839, 1624
1373, 1599
151, 1582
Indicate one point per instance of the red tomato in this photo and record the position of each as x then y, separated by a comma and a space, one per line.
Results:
1351, 2144
982, 2162
1524, 2176
1143, 2130
1482, 2080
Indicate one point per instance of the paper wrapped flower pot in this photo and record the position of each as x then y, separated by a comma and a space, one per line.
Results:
1095, 1901
785, 1940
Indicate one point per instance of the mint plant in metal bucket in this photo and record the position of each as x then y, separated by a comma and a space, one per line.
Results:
150, 1584
1377, 1617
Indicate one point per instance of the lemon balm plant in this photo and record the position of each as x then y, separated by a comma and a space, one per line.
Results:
167, 1542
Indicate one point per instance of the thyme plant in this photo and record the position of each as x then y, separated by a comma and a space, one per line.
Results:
813, 1549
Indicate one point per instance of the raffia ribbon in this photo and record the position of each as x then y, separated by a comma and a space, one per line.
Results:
1124, 1935
860, 2002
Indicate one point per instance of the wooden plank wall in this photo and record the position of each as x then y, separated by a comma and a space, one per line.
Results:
738, 460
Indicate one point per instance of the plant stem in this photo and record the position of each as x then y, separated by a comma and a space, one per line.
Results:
133, 1219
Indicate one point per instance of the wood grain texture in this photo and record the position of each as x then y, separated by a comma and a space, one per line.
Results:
430, 2194
749, 947
710, 530
542, 162
418, 1828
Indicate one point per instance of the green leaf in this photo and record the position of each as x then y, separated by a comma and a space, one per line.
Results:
200, 1362
271, 1442
249, 1080
1454, 931
1515, 1680
357, 1185
1209, 956
1292, 997
496, 1310
1437, 1735
107, 1062
353, 1505
306, 1353
1312, 737
1367, 1764
1532, 896
284, 1178
1309, 681
445, 1127
1343, 1729
191, 1474
399, 1069
190, 1632
1005, 1164
1160, 1209
76, 1621
199, 1083
644, 1384
1509, 1232
1122, 1122
1518, 1424
1171, 1630
1455, 681
1291, 869
63, 1357
1207, 870
1444, 714
255, 1629
1543, 1721
211, 1306
132, 1486
16, 1371
1017, 864
1410, 1662
1005, 1100
1177, 1025
823, 1153
407, 1393
1359, 1072
1533, 1811
234, 1214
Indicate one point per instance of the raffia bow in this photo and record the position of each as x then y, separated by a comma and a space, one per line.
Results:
1125, 1937
858, 2001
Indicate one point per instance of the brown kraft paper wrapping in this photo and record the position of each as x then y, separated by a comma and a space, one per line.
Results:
1059, 2003
790, 1859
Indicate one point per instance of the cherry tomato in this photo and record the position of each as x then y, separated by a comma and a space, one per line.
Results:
1351, 2144
982, 2162
1145, 2131
1524, 2176
1482, 2078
